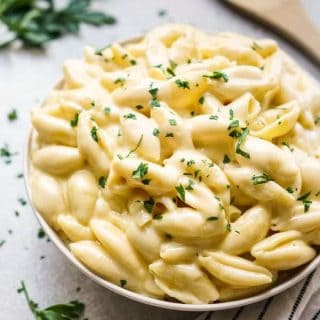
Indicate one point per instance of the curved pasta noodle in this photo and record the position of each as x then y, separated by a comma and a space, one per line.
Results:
282, 251
234, 270
185, 282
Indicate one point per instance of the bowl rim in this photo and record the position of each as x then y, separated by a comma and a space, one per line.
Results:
63, 247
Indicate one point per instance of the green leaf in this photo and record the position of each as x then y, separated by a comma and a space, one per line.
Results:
96, 18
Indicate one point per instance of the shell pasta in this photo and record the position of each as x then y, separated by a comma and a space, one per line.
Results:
184, 165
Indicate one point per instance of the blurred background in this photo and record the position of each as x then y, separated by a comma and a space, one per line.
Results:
26, 76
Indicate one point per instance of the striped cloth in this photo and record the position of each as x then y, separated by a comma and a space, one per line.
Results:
302, 302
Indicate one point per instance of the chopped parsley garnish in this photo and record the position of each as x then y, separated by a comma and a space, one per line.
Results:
102, 181
189, 186
20, 175
240, 141
173, 122
124, 56
148, 205
306, 202
218, 75
120, 81
139, 107
6, 154
255, 46
263, 178
141, 171
70, 311
157, 216
212, 218
228, 226
94, 134
168, 236
74, 121
201, 100
190, 163
107, 110
2, 242
231, 114
155, 103
317, 120
99, 51
162, 12
41, 233
170, 71
169, 134
290, 189
153, 92
146, 181
213, 117
182, 84
285, 143
233, 124
123, 283
22, 201
131, 116
133, 62
173, 64
226, 159
156, 132
12, 115
181, 192
135, 148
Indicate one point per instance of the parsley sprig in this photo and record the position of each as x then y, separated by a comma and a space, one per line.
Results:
69, 311
305, 201
217, 75
260, 179
36, 22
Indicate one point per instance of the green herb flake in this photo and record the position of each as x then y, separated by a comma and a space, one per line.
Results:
162, 12
156, 132
213, 117
148, 205
290, 189
131, 116
255, 46
22, 201
141, 171
155, 103
6, 154
218, 75
181, 192
20, 175
153, 92
12, 115
107, 110
133, 62
173, 64
171, 72
99, 51
74, 121
139, 107
261, 179
226, 159
173, 122
306, 202
233, 124
201, 100
157, 216
169, 135
120, 81
41, 233
124, 56
123, 283
317, 120
239, 143
231, 114
228, 227
182, 84
135, 148
102, 181
146, 181
212, 218
94, 134
285, 143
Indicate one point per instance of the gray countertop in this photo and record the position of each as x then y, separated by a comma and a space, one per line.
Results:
25, 78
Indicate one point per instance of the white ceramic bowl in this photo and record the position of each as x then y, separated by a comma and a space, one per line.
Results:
296, 276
